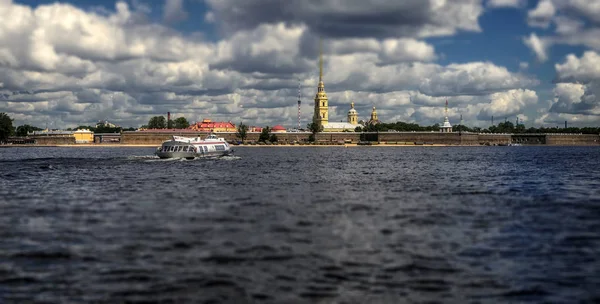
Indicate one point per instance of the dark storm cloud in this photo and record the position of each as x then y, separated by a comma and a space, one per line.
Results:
265, 63
355, 18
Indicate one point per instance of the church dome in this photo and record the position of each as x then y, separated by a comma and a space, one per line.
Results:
352, 111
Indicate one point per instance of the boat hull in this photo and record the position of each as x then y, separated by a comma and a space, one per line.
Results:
191, 155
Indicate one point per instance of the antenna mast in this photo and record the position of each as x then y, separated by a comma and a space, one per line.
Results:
299, 101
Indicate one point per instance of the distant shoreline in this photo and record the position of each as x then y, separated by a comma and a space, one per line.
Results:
233, 146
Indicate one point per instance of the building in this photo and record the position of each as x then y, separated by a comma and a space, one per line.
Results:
446, 126
278, 129
321, 111
255, 129
207, 125
374, 119
83, 136
105, 124
352, 115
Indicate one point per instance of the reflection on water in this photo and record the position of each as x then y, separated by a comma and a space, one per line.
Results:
301, 225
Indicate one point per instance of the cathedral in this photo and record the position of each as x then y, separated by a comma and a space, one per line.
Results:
321, 113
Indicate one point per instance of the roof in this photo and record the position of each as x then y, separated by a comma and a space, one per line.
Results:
278, 127
207, 124
340, 125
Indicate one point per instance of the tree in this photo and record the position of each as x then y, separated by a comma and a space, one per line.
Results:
6, 127
24, 129
157, 122
181, 123
242, 131
358, 129
273, 138
314, 128
264, 135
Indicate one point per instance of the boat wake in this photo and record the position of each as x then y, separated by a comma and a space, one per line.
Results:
154, 158
142, 157
229, 157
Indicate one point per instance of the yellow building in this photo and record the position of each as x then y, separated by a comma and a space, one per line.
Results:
352, 115
374, 120
83, 136
321, 113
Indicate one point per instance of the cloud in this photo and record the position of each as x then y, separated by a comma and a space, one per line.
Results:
585, 69
578, 85
538, 46
576, 22
508, 103
542, 14
173, 11
523, 65
62, 64
354, 19
506, 3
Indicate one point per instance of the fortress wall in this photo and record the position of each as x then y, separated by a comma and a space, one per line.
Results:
494, 139
573, 139
156, 138
429, 138
54, 140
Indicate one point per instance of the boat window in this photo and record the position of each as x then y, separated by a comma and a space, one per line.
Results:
205, 148
172, 148
185, 149
220, 148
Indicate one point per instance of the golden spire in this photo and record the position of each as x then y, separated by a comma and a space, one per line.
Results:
352, 105
320, 59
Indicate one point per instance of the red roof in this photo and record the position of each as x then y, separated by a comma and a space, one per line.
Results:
278, 128
207, 125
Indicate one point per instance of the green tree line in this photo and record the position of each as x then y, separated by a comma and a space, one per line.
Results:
160, 122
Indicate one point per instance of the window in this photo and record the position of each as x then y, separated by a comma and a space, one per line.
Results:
220, 148
185, 149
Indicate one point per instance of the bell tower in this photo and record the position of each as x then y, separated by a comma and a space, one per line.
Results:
321, 116
374, 115
352, 115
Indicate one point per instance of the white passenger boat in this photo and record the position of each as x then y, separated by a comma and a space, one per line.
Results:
194, 147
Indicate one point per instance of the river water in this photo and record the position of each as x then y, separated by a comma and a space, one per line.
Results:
301, 225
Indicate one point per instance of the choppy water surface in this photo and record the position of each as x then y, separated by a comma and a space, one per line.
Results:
301, 225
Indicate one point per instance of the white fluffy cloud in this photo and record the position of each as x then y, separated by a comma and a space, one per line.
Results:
538, 46
578, 87
576, 22
542, 14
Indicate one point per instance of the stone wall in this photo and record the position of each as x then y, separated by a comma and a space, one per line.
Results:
54, 140
494, 139
156, 138
572, 139
428, 138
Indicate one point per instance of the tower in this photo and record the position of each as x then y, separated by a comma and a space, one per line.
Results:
321, 115
446, 126
374, 115
299, 102
352, 115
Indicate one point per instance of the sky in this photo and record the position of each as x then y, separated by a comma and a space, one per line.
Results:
65, 64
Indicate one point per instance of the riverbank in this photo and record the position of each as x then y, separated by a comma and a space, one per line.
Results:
234, 146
